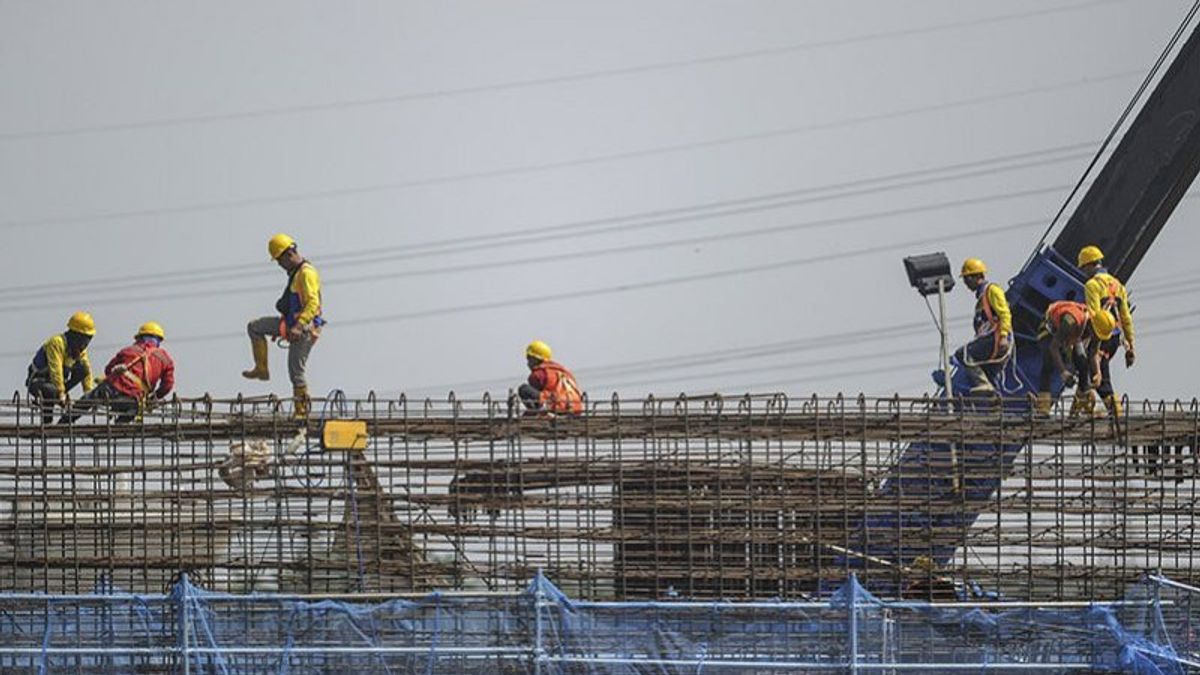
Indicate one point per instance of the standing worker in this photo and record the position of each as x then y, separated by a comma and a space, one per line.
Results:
298, 323
138, 375
551, 387
1108, 304
60, 364
992, 345
1067, 348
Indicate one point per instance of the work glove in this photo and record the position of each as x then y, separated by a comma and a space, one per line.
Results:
1097, 379
1068, 379
1130, 357
295, 333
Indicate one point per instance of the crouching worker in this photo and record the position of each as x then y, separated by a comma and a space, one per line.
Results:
136, 377
60, 364
551, 388
1067, 347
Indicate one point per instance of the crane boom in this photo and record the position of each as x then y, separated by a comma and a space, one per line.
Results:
1123, 211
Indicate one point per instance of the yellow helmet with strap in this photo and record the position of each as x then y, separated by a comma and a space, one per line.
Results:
151, 328
1103, 325
279, 245
539, 350
82, 323
1089, 255
973, 266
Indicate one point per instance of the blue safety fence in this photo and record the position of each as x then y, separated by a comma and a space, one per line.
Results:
542, 630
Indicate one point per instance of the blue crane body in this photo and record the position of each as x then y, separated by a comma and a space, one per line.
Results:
1122, 212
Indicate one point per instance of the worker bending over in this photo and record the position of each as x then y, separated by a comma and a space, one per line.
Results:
136, 377
986, 353
298, 323
60, 364
1108, 304
1067, 348
551, 387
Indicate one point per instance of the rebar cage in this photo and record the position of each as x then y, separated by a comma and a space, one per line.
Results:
710, 497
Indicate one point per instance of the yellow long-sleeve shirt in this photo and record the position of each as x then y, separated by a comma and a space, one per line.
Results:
58, 359
1098, 291
307, 285
1001, 314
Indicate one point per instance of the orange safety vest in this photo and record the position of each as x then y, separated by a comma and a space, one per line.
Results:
1057, 310
561, 393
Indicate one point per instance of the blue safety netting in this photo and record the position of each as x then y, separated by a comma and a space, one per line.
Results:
542, 630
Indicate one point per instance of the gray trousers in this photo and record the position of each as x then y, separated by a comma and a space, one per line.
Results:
298, 350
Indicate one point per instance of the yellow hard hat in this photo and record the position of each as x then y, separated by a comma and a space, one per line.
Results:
1089, 255
82, 322
279, 244
1103, 325
973, 266
539, 350
151, 328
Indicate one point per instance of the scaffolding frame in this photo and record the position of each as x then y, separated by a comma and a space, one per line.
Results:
538, 631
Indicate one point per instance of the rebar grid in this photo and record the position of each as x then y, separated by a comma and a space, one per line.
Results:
750, 497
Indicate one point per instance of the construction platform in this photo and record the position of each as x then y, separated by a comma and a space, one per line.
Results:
708, 497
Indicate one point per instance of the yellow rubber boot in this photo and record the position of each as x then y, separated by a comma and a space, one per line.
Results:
1043, 403
300, 402
1114, 406
258, 346
1084, 404
1114, 411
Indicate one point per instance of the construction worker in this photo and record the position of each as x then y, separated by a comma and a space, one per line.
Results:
60, 364
1066, 344
551, 387
298, 323
1108, 304
138, 375
992, 345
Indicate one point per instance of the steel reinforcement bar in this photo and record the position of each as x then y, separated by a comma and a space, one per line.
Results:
754, 496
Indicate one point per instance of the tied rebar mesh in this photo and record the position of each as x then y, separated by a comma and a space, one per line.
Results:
710, 497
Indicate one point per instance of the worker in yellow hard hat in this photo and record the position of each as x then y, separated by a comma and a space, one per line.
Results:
550, 387
986, 353
298, 321
1108, 304
60, 364
136, 377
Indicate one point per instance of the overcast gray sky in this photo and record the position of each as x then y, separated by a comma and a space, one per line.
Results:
609, 175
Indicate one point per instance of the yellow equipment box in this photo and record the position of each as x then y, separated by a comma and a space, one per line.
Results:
348, 435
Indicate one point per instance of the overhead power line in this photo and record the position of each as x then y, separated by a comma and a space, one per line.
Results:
564, 256
1112, 133
599, 74
741, 353
547, 298
634, 286
913, 366
611, 375
318, 195
585, 228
